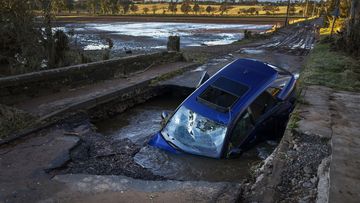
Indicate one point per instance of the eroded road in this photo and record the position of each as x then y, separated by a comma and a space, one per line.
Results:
73, 161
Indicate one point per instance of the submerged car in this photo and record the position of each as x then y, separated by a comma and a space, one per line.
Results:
244, 101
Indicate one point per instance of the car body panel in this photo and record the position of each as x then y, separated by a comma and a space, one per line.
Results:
254, 74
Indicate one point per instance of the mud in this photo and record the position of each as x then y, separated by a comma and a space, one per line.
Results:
118, 146
144, 37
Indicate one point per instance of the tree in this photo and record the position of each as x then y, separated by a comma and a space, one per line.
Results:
48, 41
271, 9
114, 6
154, 8
196, 8
134, 8
251, 10
223, 8
292, 9
172, 7
69, 4
146, 10
104, 6
61, 45
58, 5
19, 36
185, 7
209, 9
125, 4
92, 5
352, 33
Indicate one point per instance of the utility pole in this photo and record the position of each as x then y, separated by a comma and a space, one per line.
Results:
287, 13
313, 11
306, 8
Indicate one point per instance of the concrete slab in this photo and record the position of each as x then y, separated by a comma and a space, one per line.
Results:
316, 116
93, 188
345, 159
56, 103
23, 164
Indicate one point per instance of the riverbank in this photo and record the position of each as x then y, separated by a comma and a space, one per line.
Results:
181, 18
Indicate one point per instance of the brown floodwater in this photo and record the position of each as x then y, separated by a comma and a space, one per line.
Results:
139, 123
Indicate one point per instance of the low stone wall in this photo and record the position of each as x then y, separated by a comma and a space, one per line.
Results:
19, 87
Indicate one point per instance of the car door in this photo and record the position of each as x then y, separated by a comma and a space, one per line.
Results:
240, 132
253, 121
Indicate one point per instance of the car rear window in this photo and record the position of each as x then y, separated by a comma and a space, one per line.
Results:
222, 94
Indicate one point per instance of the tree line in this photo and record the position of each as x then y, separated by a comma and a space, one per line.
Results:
348, 37
187, 6
28, 40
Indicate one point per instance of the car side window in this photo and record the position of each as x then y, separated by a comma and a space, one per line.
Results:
241, 129
262, 104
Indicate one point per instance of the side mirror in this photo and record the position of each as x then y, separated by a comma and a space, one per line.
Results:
234, 153
164, 115
204, 77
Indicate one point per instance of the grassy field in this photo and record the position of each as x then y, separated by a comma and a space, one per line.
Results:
331, 68
233, 10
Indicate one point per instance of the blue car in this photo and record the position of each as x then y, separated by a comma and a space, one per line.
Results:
244, 101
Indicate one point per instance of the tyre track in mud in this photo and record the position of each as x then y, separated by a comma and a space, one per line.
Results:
300, 43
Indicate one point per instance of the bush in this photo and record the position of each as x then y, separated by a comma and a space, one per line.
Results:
13, 120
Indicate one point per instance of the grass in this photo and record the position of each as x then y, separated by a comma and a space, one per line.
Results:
167, 76
232, 11
293, 121
13, 120
331, 69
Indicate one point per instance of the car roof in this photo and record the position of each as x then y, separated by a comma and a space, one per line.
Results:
256, 76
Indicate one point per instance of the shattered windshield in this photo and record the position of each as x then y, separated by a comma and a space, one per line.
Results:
194, 133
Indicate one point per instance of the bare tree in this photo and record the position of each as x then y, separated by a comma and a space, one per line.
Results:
353, 28
154, 8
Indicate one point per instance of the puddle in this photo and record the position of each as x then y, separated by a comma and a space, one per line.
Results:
252, 51
190, 167
147, 36
142, 121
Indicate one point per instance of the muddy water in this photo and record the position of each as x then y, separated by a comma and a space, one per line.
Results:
142, 121
152, 36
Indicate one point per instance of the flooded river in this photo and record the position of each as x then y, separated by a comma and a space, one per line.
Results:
150, 36
142, 121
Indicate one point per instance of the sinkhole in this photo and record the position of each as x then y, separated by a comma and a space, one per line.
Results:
118, 146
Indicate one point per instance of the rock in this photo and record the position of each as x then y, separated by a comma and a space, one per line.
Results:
306, 199
296, 147
307, 170
313, 180
173, 43
307, 185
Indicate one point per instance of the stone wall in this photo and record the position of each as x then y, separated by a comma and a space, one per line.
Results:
19, 87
